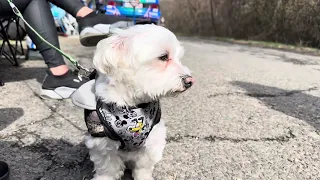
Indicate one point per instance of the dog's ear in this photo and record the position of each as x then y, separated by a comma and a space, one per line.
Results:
109, 53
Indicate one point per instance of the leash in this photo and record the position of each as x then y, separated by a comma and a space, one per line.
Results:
70, 58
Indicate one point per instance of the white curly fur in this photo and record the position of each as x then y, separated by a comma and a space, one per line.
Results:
130, 73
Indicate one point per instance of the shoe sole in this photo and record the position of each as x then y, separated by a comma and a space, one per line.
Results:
92, 35
58, 93
92, 39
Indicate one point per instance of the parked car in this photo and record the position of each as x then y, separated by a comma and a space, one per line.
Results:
147, 11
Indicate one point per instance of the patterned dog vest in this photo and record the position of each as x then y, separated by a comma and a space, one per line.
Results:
129, 125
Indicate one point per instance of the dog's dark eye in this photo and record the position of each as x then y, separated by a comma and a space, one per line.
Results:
164, 57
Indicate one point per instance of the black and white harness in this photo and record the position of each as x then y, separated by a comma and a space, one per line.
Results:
129, 125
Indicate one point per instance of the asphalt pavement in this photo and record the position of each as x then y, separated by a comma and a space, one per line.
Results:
253, 114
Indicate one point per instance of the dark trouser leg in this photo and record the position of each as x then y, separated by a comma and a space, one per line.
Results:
71, 6
38, 14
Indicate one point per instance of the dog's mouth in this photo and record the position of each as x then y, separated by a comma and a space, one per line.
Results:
173, 94
178, 91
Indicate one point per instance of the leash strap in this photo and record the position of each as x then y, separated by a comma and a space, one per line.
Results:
70, 58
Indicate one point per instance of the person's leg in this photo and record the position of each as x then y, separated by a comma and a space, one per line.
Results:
38, 15
41, 19
60, 82
92, 27
75, 8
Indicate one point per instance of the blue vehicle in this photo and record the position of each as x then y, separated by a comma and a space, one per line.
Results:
135, 10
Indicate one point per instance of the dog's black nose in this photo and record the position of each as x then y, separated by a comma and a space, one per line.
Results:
187, 81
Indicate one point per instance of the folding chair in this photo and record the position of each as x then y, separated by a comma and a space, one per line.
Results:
8, 33
8, 50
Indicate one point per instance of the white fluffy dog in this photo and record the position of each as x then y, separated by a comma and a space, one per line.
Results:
135, 68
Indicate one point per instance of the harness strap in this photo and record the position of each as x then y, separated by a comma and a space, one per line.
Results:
156, 119
109, 132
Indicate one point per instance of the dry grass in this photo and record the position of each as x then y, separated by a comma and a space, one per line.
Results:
287, 21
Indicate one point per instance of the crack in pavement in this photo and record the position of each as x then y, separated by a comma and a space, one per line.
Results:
280, 139
51, 116
54, 109
263, 95
19, 134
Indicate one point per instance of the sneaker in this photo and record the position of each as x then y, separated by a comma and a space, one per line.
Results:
4, 171
61, 87
95, 27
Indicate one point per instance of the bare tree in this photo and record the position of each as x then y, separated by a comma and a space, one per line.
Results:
288, 21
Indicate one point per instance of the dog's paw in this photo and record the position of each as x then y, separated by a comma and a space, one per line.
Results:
103, 178
142, 174
143, 178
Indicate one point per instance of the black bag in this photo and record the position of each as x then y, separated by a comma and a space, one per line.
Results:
16, 29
